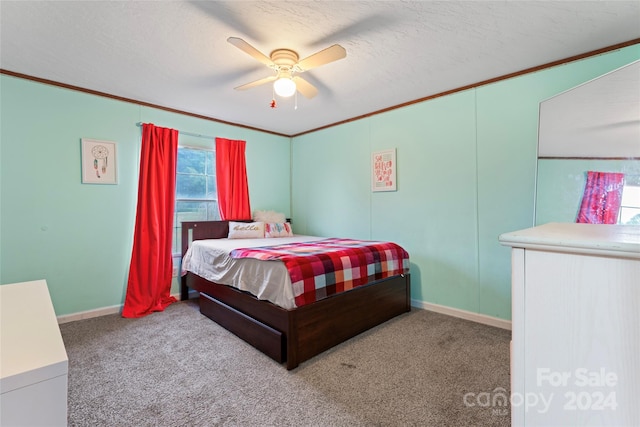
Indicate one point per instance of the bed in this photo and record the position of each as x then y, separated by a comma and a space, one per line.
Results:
296, 334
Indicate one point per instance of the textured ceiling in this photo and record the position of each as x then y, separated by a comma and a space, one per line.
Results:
175, 54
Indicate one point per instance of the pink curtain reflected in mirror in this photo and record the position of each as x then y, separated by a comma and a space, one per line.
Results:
602, 198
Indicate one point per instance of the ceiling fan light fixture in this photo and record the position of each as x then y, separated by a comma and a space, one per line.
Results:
284, 87
286, 63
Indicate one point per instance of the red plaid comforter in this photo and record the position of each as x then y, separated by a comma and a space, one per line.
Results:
326, 267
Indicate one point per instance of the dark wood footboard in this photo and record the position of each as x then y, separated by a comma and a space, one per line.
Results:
299, 334
329, 322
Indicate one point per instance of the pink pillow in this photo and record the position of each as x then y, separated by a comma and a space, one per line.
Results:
277, 229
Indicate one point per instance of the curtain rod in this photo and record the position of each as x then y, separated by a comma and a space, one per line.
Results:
139, 124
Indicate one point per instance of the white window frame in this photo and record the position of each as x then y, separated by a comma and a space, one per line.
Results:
177, 229
630, 204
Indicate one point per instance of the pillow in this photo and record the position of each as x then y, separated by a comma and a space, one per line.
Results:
246, 230
277, 229
269, 216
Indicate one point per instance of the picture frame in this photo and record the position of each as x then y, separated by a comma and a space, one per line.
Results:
383, 170
99, 161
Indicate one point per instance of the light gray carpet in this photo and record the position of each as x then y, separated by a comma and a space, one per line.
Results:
178, 368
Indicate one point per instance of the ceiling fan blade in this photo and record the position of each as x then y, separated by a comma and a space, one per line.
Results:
230, 15
365, 25
256, 83
304, 87
247, 48
330, 54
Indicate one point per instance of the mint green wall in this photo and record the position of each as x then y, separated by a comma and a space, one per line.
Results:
79, 236
561, 184
330, 201
436, 181
466, 174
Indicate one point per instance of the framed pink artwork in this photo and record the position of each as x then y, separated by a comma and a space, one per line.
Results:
383, 170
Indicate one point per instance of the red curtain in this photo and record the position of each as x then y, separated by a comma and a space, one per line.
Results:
601, 199
231, 179
149, 284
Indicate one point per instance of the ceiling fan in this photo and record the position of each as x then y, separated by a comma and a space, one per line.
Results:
286, 64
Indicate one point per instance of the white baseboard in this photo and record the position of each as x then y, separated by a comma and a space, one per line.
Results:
463, 314
455, 312
97, 312
89, 314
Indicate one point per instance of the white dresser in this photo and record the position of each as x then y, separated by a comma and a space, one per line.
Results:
33, 360
575, 356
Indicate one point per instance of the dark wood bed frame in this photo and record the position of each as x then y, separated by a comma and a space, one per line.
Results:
296, 335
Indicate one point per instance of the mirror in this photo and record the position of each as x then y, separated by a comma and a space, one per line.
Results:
592, 127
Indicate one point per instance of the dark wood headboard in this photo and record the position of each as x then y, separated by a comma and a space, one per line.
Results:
199, 230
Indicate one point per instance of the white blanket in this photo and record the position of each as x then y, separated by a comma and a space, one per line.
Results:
267, 280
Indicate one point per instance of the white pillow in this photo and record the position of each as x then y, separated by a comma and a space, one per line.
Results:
246, 230
277, 229
269, 216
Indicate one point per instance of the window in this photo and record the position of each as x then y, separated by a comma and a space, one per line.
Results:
630, 205
196, 196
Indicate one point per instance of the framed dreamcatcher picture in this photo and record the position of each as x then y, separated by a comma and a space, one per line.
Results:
99, 162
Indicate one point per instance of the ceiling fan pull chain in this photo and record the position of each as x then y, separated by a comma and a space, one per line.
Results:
273, 104
295, 107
